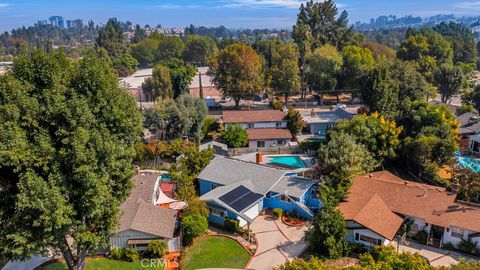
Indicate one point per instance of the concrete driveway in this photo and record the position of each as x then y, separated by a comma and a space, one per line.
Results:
276, 243
435, 256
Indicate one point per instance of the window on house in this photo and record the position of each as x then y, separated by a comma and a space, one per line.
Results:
368, 239
357, 236
284, 198
214, 186
216, 212
280, 142
260, 144
457, 232
250, 125
278, 124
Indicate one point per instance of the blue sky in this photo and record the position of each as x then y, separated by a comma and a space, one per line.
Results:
231, 13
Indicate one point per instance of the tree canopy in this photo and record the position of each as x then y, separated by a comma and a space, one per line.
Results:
285, 71
159, 85
237, 72
234, 136
199, 49
68, 134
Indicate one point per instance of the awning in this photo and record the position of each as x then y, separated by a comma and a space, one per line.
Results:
163, 199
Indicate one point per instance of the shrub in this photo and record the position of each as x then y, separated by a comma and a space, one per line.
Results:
131, 255
277, 212
467, 246
277, 105
234, 136
449, 246
116, 254
157, 249
231, 225
193, 226
421, 237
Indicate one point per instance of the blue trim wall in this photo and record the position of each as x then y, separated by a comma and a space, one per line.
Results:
205, 186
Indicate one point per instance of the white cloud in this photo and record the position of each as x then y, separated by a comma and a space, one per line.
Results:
168, 6
468, 5
3, 5
266, 3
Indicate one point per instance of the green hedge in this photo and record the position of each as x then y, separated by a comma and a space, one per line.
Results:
231, 225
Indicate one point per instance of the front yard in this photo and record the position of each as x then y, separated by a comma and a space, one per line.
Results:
215, 252
104, 264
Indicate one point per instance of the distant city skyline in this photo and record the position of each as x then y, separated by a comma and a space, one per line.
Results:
230, 13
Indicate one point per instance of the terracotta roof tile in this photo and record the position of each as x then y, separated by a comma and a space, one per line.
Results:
268, 134
433, 204
253, 116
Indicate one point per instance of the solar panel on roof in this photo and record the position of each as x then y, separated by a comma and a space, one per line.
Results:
240, 197
234, 194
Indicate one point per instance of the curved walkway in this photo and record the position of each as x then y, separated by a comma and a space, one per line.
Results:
276, 243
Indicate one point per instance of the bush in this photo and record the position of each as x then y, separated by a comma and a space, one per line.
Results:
421, 237
157, 249
467, 246
131, 255
234, 136
277, 105
449, 246
277, 212
193, 226
231, 225
116, 254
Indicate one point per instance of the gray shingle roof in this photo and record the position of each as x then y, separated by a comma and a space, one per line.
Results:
467, 126
294, 186
226, 171
139, 213
148, 218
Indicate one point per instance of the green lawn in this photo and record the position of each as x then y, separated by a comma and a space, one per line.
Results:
215, 252
103, 264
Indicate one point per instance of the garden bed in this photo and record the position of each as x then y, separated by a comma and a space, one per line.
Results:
293, 221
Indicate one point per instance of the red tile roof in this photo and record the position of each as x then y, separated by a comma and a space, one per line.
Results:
375, 215
269, 134
433, 204
253, 116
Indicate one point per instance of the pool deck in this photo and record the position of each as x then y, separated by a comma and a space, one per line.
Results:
252, 157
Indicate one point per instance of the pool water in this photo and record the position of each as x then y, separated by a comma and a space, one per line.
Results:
166, 177
293, 161
471, 163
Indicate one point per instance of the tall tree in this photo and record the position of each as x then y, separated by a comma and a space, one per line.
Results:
341, 159
450, 81
159, 85
295, 122
462, 40
377, 134
110, 38
170, 48
357, 65
322, 68
66, 166
324, 24
285, 71
381, 91
237, 72
139, 34
199, 49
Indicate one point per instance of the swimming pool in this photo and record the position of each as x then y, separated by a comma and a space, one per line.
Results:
294, 161
166, 177
471, 163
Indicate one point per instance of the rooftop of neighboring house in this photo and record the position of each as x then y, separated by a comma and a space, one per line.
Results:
136, 79
371, 195
256, 116
140, 214
314, 117
469, 123
269, 134
206, 80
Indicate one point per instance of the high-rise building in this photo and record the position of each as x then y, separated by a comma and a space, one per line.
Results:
69, 24
57, 21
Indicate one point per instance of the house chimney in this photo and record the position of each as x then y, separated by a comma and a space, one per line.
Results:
312, 113
259, 157
370, 175
137, 170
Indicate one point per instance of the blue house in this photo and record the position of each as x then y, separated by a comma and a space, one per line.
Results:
241, 190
